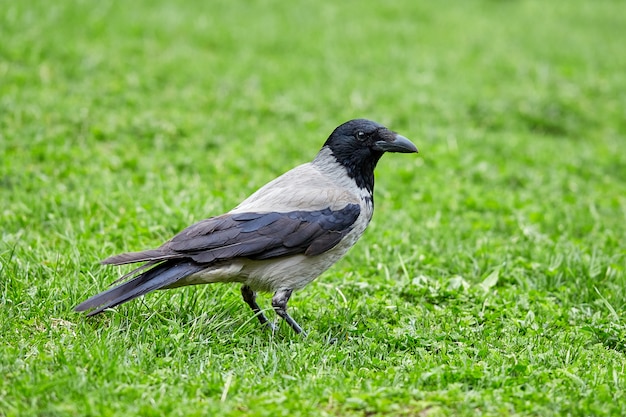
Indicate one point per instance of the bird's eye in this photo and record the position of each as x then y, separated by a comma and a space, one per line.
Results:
360, 135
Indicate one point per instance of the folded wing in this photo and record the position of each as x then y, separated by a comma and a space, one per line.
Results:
253, 235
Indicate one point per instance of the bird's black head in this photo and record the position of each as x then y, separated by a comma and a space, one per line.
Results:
359, 144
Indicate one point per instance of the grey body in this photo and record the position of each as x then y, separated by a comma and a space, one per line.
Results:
289, 192
280, 238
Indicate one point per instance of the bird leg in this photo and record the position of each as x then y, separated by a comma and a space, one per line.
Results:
249, 297
279, 302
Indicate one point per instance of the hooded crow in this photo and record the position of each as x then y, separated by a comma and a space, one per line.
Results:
277, 240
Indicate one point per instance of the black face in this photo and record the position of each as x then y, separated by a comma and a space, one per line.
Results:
359, 144
357, 134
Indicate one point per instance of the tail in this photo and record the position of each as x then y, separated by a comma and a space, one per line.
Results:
161, 275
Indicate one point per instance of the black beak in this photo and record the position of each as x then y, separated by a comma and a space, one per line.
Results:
398, 144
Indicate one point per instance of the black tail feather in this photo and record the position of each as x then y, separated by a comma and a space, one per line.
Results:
159, 276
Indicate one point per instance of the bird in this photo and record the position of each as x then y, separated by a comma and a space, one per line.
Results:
280, 238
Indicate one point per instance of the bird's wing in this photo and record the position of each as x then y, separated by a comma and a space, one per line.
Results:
253, 235
264, 235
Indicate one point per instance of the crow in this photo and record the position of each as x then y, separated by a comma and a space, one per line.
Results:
277, 240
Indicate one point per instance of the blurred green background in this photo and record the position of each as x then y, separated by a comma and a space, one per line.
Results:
490, 282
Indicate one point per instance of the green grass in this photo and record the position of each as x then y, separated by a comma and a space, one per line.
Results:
491, 281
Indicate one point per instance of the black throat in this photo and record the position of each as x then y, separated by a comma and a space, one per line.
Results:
359, 164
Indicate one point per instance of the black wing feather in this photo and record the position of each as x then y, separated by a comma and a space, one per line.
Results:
261, 222
264, 235
252, 235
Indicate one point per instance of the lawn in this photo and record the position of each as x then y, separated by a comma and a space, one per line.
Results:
492, 280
